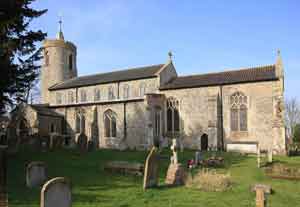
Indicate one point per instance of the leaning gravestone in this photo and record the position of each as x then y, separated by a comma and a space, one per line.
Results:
36, 174
82, 142
56, 193
151, 169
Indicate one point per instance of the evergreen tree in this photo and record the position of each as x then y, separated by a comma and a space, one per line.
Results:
296, 135
19, 55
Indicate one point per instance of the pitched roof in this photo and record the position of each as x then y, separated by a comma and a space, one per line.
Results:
262, 73
43, 109
116, 76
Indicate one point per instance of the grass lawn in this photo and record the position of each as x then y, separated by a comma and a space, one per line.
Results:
94, 187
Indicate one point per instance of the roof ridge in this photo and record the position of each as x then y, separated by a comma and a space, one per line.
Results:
125, 69
116, 71
229, 71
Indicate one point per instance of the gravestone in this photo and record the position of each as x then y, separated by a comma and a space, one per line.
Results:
82, 142
56, 193
270, 156
175, 173
36, 174
198, 157
151, 169
261, 190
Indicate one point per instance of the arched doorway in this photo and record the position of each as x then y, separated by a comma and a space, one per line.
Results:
204, 142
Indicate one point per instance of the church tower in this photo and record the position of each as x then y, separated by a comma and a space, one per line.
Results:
59, 63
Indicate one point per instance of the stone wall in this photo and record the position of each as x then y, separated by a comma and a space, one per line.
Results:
197, 110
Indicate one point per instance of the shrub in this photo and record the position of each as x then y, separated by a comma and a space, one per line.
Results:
209, 180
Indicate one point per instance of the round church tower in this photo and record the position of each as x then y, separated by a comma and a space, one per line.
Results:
59, 63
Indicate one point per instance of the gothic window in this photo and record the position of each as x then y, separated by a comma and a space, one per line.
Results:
70, 97
46, 58
97, 95
77, 127
58, 98
111, 93
83, 96
126, 91
142, 91
110, 124
71, 62
238, 112
172, 115
80, 122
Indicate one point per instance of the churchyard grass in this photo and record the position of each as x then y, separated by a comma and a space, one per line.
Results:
92, 186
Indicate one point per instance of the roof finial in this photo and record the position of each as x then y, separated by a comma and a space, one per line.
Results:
170, 55
60, 34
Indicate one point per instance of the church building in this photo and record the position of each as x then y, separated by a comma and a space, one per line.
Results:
136, 108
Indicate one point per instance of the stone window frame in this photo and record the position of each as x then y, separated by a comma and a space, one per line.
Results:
126, 91
110, 124
83, 95
142, 89
58, 97
97, 94
79, 121
70, 97
172, 104
110, 93
239, 108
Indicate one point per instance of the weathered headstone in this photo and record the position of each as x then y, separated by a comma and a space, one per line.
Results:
56, 193
260, 198
261, 190
175, 173
258, 158
82, 142
270, 156
36, 174
151, 169
198, 157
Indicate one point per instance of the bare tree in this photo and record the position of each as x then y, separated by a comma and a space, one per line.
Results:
292, 115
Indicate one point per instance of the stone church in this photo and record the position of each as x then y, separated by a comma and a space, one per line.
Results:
139, 107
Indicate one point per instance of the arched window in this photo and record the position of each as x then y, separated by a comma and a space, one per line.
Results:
110, 124
70, 97
77, 127
83, 96
173, 118
126, 91
238, 112
58, 98
111, 94
97, 95
80, 122
71, 62
142, 91
46, 54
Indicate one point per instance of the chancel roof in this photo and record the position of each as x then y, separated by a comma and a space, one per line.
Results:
254, 74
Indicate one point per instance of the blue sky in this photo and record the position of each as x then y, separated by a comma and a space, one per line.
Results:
204, 36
